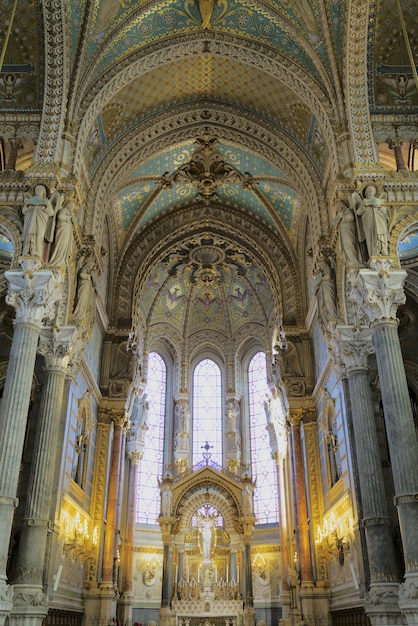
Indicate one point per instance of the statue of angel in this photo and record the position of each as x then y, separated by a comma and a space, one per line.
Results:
372, 209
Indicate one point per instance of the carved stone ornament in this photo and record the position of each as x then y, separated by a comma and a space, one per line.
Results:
33, 293
56, 345
207, 171
382, 290
355, 345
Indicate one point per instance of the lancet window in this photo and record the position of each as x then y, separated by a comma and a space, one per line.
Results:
266, 506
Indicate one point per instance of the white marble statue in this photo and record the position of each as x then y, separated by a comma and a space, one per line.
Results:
37, 212
372, 210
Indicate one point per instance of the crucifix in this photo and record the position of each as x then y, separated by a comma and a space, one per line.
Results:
206, 455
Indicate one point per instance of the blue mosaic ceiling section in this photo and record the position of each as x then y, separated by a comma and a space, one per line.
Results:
143, 198
130, 27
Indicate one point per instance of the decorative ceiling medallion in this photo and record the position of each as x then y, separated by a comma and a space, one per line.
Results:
207, 171
208, 257
207, 261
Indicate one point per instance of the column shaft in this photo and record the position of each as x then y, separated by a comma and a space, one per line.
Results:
301, 506
402, 438
248, 576
130, 536
165, 600
112, 508
376, 520
13, 417
33, 538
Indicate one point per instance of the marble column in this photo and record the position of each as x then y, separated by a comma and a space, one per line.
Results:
108, 584
55, 345
180, 565
126, 601
33, 293
112, 503
234, 571
379, 291
301, 503
165, 522
355, 345
16, 144
396, 146
285, 600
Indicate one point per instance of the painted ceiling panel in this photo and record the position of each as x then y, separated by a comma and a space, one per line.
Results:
168, 198
136, 198
131, 199
245, 198
283, 199
392, 86
158, 20
167, 161
22, 70
203, 76
408, 247
206, 283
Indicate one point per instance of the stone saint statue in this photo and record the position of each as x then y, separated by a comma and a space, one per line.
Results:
85, 306
347, 229
37, 212
326, 292
63, 237
372, 210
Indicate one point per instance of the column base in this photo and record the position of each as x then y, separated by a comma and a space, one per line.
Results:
108, 602
165, 616
408, 600
125, 609
6, 601
30, 606
382, 607
249, 616
285, 603
293, 619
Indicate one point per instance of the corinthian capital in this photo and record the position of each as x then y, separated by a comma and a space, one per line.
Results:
33, 293
381, 289
355, 344
56, 346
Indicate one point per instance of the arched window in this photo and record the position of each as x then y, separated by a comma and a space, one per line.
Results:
207, 411
266, 501
151, 464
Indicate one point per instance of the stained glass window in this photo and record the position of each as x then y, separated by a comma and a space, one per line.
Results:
151, 464
207, 411
266, 499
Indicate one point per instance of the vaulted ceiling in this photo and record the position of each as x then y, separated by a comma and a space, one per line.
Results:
260, 81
